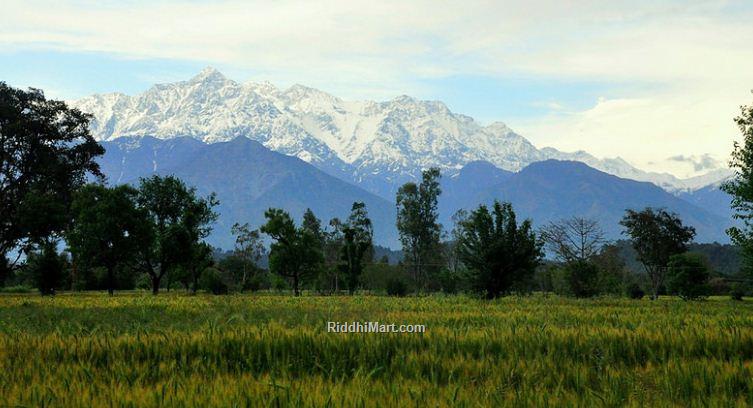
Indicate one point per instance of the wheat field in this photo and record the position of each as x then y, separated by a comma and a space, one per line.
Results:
272, 350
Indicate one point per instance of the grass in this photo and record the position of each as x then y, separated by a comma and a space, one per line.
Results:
267, 350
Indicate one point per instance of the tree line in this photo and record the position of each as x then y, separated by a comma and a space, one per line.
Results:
152, 235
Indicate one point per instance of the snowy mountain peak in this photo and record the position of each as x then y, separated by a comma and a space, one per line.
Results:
385, 142
208, 74
499, 128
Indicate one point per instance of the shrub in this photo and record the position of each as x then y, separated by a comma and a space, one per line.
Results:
719, 286
634, 291
449, 281
47, 267
560, 281
144, 282
583, 279
689, 276
260, 280
211, 281
279, 283
16, 289
736, 292
396, 287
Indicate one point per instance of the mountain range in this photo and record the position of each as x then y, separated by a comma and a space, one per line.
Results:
257, 147
249, 178
376, 145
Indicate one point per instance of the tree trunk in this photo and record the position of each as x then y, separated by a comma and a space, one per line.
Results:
654, 276
195, 285
295, 285
110, 280
243, 280
73, 274
155, 284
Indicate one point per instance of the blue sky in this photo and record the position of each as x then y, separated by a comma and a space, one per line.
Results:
643, 80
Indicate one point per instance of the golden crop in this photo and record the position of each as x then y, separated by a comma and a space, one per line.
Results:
268, 350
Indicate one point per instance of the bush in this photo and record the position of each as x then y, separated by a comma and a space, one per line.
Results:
583, 279
396, 287
279, 283
260, 280
449, 281
47, 267
688, 276
560, 281
144, 282
634, 291
16, 289
211, 281
719, 286
736, 292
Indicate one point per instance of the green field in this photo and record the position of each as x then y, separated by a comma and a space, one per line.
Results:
268, 350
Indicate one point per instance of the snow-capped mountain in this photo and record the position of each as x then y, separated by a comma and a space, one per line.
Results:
374, 144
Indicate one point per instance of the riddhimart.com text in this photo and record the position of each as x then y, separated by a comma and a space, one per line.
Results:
373, 327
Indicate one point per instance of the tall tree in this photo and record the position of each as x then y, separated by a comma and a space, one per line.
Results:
332, 249
450, 247
576, 241
656, 235
417, 224
107, 229
249, 247
357, 244
498, 250
313, 225
179, 218
46, 152
740, 187
295, 254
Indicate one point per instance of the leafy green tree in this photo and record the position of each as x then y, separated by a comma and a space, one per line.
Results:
656, 235
417, 225
179, 219
46, 152
613, 275
107, 229
357, 244
498, 251
295, 254
250, 248
314, 225
688, 276
740, 187
235, 267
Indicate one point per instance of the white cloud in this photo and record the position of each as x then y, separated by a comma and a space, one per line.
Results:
648, 129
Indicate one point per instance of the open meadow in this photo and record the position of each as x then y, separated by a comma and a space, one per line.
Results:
268, 350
